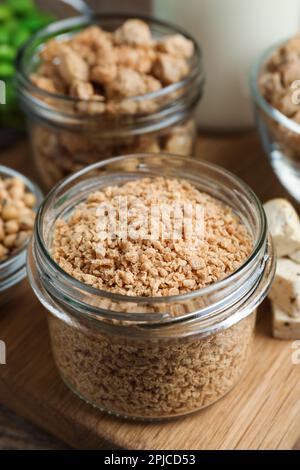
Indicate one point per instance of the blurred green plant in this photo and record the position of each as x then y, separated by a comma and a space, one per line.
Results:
19, 19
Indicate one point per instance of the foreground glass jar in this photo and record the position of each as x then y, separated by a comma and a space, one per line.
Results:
68, 133
141, 357
13, 269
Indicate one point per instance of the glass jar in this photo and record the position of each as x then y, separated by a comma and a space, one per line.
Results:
68, 133
13, 269
236, 31
279, 134
158, 357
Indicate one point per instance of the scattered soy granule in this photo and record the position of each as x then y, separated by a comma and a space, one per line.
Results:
16, 215
143, 266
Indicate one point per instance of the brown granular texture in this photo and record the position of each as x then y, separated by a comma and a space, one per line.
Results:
278, 75
276, 84
102, 66
150, 378
101, 73
59, 151
146, 373
142, 266
17, 215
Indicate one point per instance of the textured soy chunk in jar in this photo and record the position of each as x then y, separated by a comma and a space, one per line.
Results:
116, 87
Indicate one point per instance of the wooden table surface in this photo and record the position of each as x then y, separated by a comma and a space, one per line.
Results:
15, 432
240, 153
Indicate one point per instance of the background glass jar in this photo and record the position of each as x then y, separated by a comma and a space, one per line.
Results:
68, 133
279, 134
144, 357
13, 269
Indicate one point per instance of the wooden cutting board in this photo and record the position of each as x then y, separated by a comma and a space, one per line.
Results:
262, 412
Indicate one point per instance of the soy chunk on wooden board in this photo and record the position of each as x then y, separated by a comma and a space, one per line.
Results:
284, 226
295, 256
283, 326
285, 290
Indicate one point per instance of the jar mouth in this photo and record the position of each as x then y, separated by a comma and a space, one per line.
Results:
60, 28
259, 99
13, 269
258, 244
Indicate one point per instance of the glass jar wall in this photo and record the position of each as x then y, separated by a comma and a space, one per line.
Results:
151, 357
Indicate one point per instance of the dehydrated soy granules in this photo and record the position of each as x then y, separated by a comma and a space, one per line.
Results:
103, 66
136, 376
146, 378
16, 215
278, 83
147, 321
147, 266
113, 87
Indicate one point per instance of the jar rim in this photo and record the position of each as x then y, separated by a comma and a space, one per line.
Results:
259, 99
257, 247
87, 20
12, 269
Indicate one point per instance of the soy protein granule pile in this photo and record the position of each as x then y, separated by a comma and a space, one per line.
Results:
17, 215
276, 80
143, 266
278, 84
135, 371
150, 379
101, 73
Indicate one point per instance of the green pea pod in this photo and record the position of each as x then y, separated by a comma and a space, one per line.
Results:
7, 53
10, 93
12, 26
20, 37
36, 22
5, 13
4, 36
7, 70
18, 20
20, 7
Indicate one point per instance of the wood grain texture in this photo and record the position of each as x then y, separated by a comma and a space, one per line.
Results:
17, 433
262, 412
